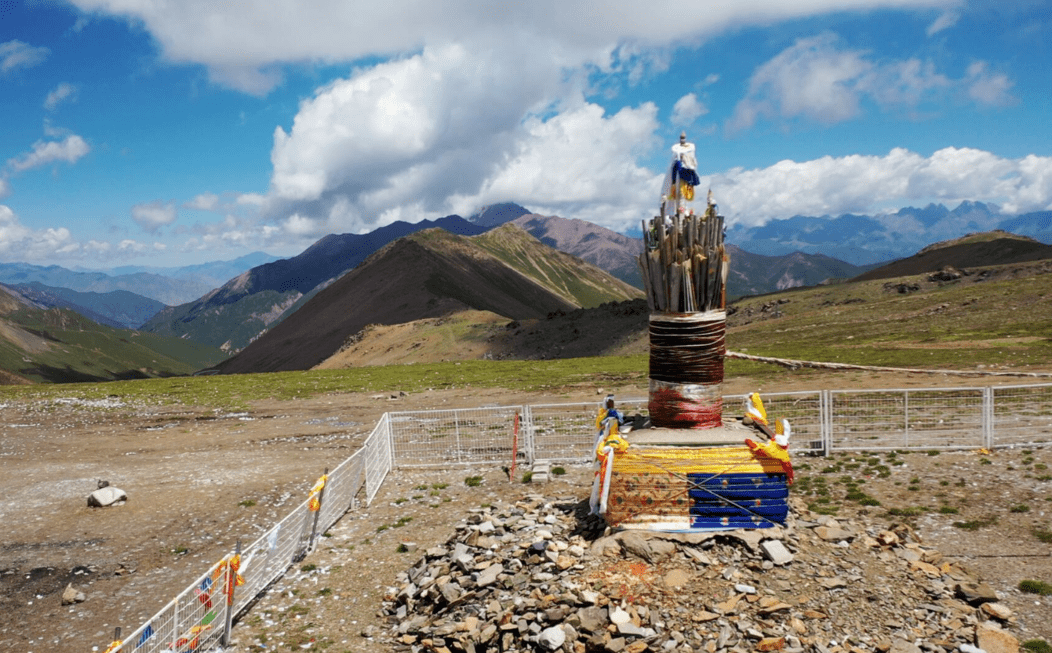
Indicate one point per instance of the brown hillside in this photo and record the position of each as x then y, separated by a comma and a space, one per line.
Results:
974, 250
613, 329
413, 278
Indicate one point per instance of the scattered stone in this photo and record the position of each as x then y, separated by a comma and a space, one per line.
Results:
776, 552
71, 596
552, 638
975, 593
107, 496
524, 578
997, 610
990, 638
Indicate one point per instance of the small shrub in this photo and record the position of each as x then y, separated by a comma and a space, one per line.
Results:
1041, 534
473, 481
1040, 467
911, 511
1022, 507
974, 524
1037, 646
325, 591
1039, 587
402, 548
382, 527
985, 461
439, 486
400, 500
308, 568
527, 477
933, 452
822, 509
558, 471
247, 503
421, 488
948, 510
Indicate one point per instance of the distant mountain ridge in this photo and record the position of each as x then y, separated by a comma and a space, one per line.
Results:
57, 345
971, 251
602, 247
868, 239
163, 289
118, 308
231, 316
755, 274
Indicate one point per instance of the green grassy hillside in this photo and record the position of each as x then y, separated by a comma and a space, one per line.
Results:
997, 317
61, 346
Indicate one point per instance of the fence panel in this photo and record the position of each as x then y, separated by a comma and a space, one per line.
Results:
378, 458
566, 432
802, 409
453, 437
274, 552
193, 620
906, 419
1022, 415
344, 484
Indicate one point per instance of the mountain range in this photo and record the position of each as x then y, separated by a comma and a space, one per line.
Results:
868, 239
232, 315
429, 274
40, 343
166, 285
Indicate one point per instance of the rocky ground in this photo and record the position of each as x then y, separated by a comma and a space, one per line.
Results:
523, 567
199, 479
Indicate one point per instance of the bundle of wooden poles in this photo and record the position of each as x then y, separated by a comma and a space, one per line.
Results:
684, 263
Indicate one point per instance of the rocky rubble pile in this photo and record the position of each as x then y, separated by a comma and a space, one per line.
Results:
537, 576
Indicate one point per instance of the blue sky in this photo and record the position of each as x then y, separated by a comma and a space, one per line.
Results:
170, 133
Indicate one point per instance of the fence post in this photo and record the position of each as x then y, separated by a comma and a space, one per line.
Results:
390, 441
456, 431
988, 417
825, 421
527, 431
906, 419
231, 583
317, 513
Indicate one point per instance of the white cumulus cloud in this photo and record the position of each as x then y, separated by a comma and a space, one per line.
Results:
687, 109
244, 44
18, 54
70, 150
19, 242
818, 79
203, 202
151, 216
64, 91
868, 184
985, 87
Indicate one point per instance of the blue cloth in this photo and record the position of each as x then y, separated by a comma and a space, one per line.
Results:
147, 633
687, 175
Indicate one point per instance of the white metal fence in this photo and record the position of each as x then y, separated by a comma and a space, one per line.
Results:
198, 619
823, 421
